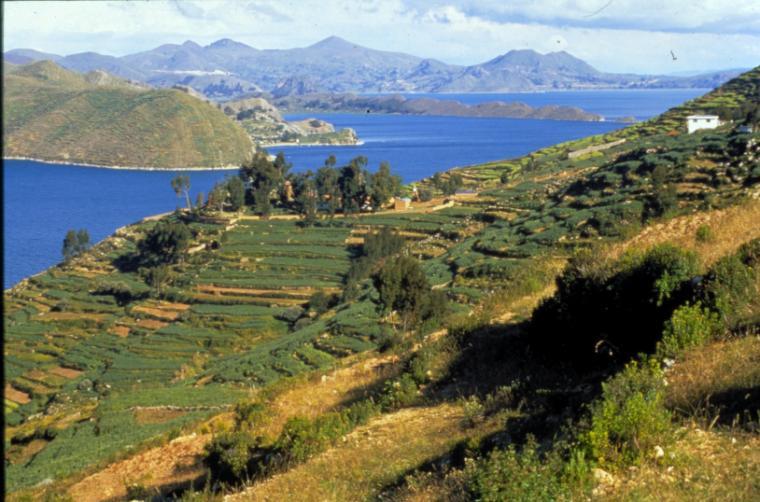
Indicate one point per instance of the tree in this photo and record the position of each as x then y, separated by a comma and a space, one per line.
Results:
75, 243
453, 184
262, 177
383, 185
181, 184
403, 287
306, 196
165, 243
159, 276
353, 184
236, 191
218, 196
327, 186
69, 245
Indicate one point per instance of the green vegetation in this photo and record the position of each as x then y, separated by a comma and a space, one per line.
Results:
75, 243
544, 326
54, 114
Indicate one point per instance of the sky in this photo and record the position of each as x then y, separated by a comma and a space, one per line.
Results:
626, 36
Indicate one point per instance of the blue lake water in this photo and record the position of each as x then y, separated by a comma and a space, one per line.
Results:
42, 201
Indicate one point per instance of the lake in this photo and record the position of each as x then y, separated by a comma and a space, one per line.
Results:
43, 201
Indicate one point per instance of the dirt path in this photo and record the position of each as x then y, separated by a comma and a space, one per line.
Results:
173, 464
180, 461
367, 459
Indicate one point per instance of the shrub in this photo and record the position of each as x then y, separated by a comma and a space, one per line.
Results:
399, 393
229, 456
320, 302
689, 326
620, 306
730, 287
630, 418
704, 234
509, 475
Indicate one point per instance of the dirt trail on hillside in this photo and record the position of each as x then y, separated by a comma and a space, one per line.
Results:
173, 464
180, 461
354, 470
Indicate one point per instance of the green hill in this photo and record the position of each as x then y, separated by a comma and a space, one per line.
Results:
50, 113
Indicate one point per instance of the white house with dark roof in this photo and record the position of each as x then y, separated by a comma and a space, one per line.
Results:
697, 122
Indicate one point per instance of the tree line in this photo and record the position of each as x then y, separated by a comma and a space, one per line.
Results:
264, 184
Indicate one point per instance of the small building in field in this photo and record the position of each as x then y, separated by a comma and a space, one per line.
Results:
697, 122
402, 203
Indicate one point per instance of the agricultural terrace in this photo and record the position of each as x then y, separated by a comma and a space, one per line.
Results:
86, 367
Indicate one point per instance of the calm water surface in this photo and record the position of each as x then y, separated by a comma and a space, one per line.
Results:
42, 201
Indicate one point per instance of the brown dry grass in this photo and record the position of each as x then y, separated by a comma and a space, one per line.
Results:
210, 288
172, 464
15, 395
122, 331
65, 372
730, 228
712, 369
706, 466
323, 392
164, 315
369, 458
151, 324
70, 316
173, 306
180, 461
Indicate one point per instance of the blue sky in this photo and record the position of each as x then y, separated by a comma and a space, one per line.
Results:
613, 35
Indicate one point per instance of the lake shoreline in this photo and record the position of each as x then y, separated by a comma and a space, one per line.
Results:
122, 168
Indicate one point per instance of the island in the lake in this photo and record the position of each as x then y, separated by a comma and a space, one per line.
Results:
352, 103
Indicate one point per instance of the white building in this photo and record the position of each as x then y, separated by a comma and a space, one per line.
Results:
697, 122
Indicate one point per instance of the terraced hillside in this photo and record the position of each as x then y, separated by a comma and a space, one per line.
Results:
101, 365
53, 114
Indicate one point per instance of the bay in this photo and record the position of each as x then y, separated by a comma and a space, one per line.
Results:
42, 201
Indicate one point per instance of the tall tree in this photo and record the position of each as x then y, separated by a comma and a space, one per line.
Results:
70, 245
383, 185
165, 243
83, 241
75, 243
327, 186
262, 177
218, 196
236, 191
181, 184
306, 196
353, 184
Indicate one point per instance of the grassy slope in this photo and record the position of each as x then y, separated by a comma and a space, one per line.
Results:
491, 242
53, 114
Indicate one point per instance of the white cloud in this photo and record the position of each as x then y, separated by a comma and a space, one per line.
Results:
623, 35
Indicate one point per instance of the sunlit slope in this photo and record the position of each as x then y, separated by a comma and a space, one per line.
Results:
53, 114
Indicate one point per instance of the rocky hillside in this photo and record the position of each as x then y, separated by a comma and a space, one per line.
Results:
54, 114
266, 126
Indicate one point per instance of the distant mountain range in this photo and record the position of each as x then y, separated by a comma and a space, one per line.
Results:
228, 69
54, 114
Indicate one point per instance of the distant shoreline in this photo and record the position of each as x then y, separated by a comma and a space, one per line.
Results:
271, 145
122, 168
145, 168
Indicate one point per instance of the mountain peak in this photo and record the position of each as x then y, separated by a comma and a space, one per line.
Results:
333, 42
225, 43
189, 44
